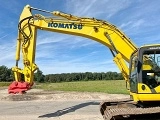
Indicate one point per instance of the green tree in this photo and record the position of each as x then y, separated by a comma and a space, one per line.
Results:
38, 76
5, 74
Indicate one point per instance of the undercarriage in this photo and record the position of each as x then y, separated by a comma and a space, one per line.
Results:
129, 110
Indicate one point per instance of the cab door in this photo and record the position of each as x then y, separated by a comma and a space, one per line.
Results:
133, 76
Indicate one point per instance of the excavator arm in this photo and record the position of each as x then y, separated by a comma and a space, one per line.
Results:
94, 29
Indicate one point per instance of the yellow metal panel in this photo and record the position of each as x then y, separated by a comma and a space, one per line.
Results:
157, 89
146, 90
122, 66
147, 97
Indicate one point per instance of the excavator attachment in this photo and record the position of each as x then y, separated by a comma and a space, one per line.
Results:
18, 87
128, 110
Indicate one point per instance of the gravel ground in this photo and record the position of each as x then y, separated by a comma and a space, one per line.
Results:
37, 94
56, 105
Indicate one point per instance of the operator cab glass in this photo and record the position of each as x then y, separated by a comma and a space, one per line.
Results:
133, 73
151, 67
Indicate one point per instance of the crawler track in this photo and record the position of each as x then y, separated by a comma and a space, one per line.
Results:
126, 110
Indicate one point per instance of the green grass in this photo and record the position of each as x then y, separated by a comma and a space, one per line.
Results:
110, 86
4, 84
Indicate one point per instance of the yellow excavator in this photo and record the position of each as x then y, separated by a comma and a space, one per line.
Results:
138, 65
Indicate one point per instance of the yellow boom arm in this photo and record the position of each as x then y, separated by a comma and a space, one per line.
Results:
98, 30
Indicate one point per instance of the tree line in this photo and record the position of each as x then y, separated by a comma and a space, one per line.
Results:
6, 75
68, 77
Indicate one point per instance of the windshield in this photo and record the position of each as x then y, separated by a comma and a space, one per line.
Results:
151, 68
151, 61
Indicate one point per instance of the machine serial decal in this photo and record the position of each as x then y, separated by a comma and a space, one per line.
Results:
67, 26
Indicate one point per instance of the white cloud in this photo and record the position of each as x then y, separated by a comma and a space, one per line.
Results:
133, 24
7, 54
96, 8
58, 41
140, 18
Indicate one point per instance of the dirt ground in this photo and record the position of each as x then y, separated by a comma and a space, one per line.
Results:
37, 94
59, 106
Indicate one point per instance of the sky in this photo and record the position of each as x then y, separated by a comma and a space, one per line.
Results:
61, 53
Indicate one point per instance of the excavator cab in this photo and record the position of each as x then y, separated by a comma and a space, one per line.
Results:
144, 88
144, 73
